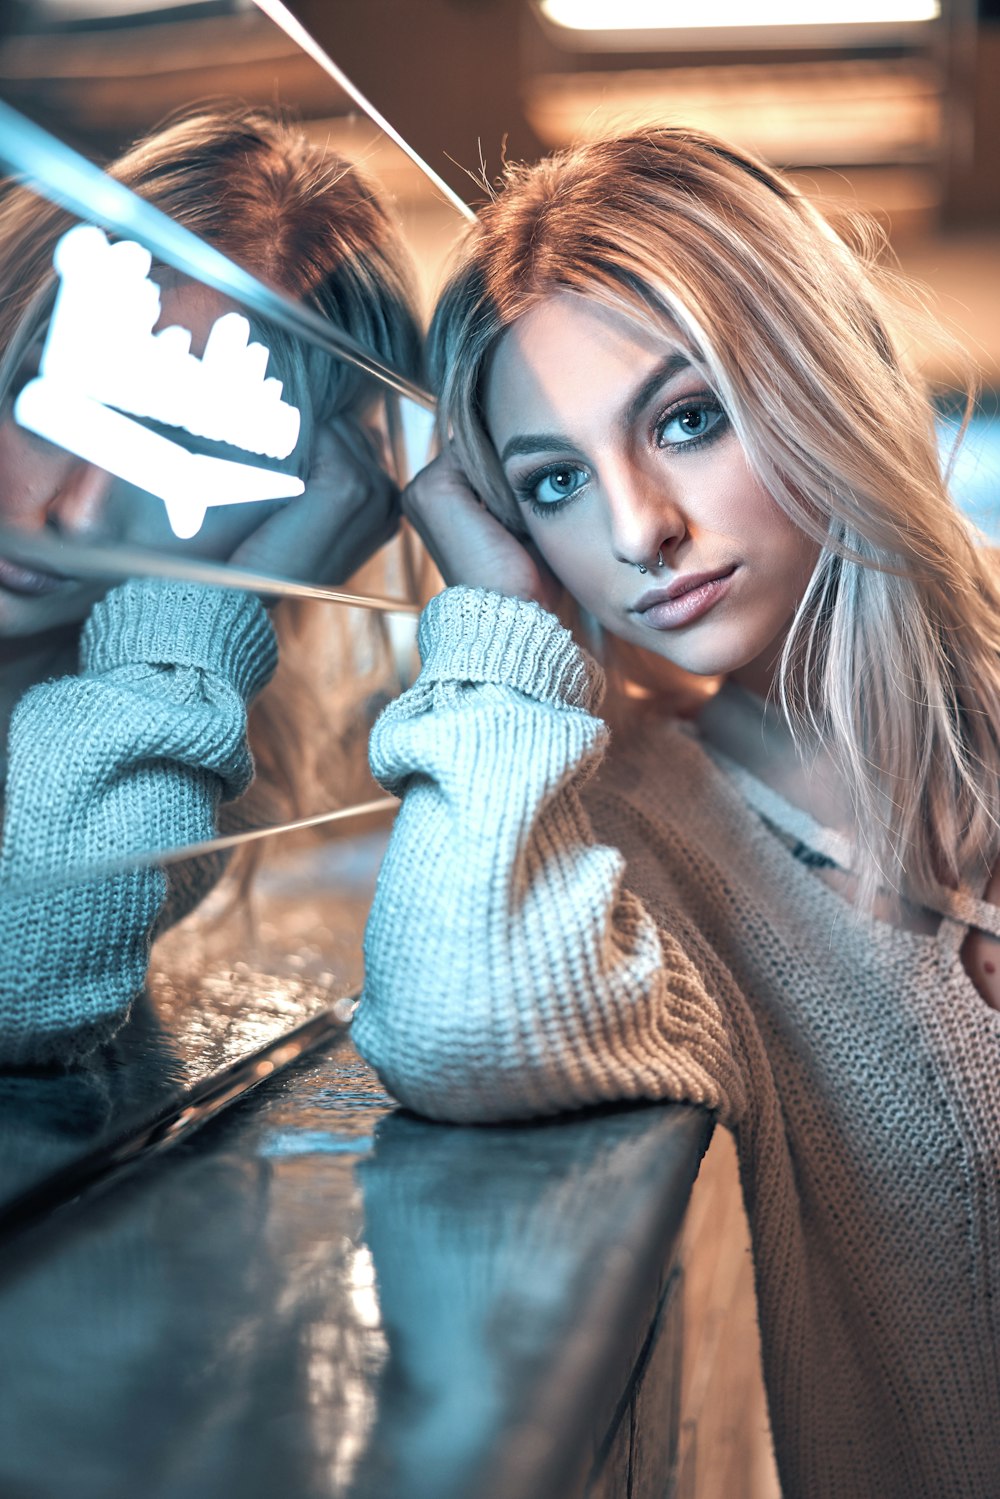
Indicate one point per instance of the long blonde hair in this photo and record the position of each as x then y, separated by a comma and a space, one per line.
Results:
892, 660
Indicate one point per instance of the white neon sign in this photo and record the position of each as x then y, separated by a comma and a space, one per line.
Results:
654, 15
102, 365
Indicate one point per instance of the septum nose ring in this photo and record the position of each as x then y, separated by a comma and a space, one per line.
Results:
659, 562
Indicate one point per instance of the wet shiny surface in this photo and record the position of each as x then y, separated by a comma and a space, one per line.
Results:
228, 984
320, 1296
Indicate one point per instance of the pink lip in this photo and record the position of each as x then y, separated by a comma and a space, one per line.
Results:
28, 580
684, 600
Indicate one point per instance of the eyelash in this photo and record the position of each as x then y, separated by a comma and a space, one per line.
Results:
527, 489
706, 402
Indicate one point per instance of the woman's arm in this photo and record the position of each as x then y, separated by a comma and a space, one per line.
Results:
133, 755
509, 971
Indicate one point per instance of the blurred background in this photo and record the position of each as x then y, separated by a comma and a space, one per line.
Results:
890, 106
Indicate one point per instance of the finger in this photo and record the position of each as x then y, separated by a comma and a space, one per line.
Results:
359, 539
438, 494
346, 511
298, 551
345, 467
440, 530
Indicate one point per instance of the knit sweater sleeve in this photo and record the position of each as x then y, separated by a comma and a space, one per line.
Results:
134, 754
509, 971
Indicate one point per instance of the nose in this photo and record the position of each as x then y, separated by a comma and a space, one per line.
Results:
647, 522
78, 510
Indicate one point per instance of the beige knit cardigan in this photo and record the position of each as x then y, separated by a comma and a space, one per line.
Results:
550, 931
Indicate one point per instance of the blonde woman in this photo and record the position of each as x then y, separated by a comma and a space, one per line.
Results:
127, 709
672, 389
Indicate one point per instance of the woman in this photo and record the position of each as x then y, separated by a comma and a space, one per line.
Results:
674, 390
143, 732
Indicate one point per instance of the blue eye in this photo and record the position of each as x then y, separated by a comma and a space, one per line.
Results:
692, 422
553, 486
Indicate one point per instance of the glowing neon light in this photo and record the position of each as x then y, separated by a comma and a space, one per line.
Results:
102, 360
653, 15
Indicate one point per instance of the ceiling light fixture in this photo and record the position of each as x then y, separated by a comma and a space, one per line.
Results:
654, 15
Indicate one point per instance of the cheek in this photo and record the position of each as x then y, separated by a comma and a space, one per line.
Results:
140, 519
786, 552
31, 473
571, 552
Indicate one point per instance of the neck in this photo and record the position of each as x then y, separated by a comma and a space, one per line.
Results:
754, 732
758, 675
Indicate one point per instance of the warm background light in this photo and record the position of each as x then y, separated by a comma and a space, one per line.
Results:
654, 15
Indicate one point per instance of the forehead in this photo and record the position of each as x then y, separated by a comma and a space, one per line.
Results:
570, 355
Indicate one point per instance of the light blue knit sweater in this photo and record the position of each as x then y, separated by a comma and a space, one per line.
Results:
134, 754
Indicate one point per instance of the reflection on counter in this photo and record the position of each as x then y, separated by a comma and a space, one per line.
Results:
231, 983
320, 1296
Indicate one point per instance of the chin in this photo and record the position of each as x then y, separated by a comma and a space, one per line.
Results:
718, 662
703, 658
21, 618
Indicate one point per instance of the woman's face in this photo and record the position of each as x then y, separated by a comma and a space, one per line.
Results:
619, 452
45, 490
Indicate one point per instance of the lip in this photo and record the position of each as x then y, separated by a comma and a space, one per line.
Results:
28, 580
684, 600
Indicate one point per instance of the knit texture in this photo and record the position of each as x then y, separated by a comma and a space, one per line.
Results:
551, 931
134, 754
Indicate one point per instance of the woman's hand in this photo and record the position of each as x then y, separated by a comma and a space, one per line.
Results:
467, 543
349, 509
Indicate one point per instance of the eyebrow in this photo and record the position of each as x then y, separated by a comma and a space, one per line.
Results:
539, 442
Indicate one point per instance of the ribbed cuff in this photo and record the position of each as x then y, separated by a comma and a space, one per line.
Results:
163, 622
475, 635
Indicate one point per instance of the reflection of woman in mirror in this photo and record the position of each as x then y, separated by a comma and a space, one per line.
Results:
680, 394
142, 733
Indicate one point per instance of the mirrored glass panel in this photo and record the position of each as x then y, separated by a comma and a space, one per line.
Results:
123, 1060
215, 273
167, 418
